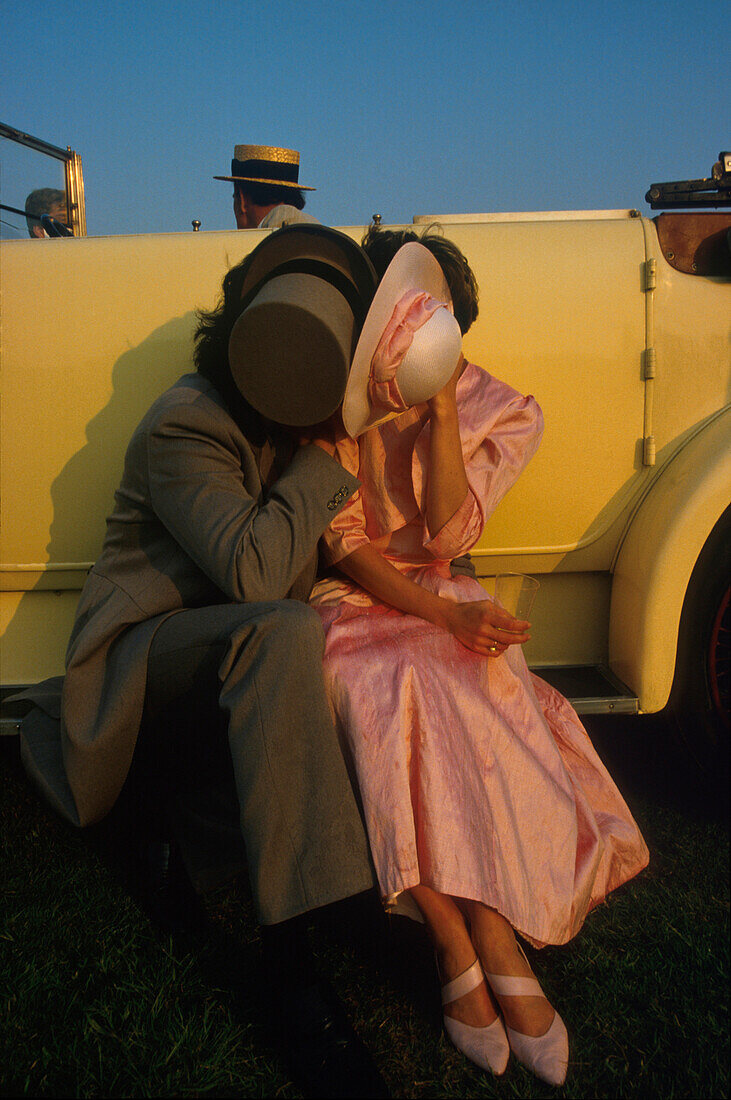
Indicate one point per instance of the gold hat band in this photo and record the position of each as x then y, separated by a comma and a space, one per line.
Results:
266, 152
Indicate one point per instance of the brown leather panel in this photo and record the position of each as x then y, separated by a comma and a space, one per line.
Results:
696, 243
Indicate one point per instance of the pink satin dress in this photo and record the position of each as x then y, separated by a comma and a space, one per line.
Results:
477, 778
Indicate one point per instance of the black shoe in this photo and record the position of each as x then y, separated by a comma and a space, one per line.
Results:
326, 1057
168, 895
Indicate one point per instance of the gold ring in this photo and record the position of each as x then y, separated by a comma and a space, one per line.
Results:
492, 649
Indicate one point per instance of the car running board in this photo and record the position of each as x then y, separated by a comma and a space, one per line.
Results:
591, 689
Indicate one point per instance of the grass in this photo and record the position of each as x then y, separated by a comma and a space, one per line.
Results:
95, 1003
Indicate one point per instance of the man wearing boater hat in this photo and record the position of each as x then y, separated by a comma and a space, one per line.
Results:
267, 191
194, 659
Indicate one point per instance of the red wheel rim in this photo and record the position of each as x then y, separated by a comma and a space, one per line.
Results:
719, 653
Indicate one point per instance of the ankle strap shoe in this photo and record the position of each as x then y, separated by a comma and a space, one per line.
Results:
546, 1055
488, 1046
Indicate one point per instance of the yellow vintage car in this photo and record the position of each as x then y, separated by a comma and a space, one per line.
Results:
618, 324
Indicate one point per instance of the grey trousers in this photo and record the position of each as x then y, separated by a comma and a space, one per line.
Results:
237, 689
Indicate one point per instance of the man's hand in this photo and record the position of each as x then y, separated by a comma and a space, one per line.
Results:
484, 627
325, 434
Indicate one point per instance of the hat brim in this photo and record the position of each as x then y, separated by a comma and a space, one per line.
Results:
271, 183
412, 268
302, 241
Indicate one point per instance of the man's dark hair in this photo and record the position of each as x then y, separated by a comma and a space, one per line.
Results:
211, 351
381, 245
270, 194
40, 202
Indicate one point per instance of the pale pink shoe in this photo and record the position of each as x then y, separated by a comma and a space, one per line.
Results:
545, 1055
488, 1046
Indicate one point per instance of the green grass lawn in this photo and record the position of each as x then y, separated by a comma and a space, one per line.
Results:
96, 1003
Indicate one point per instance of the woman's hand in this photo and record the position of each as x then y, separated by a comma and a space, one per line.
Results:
484, 627
446, 399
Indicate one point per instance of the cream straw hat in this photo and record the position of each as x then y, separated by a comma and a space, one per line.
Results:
434, 346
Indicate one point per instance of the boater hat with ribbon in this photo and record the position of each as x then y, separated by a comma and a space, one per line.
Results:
266, 164
304, 299
409, 346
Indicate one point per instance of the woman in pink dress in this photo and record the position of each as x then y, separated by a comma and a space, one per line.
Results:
488, 810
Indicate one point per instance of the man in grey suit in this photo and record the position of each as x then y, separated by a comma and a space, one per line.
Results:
192, 640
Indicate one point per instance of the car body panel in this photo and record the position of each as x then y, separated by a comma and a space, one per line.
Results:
94, 328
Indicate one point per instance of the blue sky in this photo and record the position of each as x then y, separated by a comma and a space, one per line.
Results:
401, 108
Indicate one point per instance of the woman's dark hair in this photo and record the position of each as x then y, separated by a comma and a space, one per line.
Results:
211, 351
271, 194
381, 245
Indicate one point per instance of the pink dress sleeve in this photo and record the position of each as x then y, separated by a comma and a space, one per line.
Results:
462, 530
500, 431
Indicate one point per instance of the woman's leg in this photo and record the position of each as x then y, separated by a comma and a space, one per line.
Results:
455, 954
495, 943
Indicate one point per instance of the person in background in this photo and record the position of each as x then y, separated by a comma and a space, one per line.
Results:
267, 191
46, 200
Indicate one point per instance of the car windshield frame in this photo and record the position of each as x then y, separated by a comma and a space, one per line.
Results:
73, 174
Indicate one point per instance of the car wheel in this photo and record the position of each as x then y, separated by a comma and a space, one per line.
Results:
699, 700
719, 658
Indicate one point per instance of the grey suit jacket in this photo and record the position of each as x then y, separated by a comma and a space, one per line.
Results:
191, 526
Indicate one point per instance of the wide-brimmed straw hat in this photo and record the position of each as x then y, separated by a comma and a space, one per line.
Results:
304, 299
266, 164
409, 345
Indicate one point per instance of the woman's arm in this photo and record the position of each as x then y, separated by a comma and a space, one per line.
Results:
480, 625
446, 481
